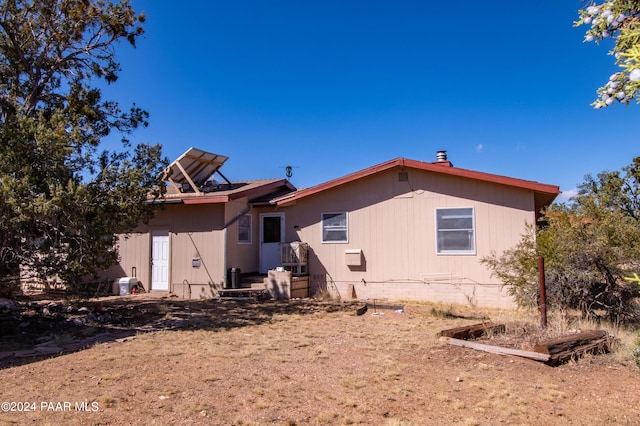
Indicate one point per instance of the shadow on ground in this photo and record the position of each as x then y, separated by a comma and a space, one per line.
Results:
47, 328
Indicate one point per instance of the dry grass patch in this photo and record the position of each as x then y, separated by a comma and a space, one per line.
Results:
309, 363
549, 392
355, 382
504, 399
106, 400
471, 421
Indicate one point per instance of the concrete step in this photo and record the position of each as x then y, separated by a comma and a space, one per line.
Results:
256, 282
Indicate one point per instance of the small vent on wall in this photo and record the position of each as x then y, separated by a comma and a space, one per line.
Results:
403, 176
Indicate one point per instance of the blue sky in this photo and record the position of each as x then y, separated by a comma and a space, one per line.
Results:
332, 87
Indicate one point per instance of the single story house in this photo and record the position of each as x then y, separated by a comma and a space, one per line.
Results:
403, 229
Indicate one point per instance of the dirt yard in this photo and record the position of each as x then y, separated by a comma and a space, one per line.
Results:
164, 362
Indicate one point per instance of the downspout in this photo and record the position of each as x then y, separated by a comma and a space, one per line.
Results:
224, 258
224, 239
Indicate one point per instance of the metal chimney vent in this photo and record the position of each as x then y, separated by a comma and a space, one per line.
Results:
442, 156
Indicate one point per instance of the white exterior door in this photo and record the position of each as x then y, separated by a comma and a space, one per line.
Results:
271, 235
160, 261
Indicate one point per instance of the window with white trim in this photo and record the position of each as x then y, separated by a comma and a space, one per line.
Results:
335, 228
455, 231
244, 229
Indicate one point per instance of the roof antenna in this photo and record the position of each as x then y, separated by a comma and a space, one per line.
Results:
289, 171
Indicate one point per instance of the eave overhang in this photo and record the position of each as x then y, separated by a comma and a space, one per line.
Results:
544, 194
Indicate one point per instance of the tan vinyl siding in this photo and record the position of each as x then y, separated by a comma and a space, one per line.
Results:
243, 256
134, 257
393, 223
194, 232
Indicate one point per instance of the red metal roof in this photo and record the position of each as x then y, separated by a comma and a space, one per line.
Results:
544, 193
